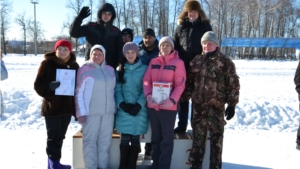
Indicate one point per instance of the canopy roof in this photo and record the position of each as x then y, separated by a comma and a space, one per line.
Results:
261, 42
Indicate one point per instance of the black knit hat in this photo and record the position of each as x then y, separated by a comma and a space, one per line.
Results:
128, 31
149, 32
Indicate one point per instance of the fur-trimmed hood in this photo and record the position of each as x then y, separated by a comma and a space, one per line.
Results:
188, 6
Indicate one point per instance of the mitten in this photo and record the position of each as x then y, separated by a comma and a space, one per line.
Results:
167, 103
82, 120
229, 112
135, 109
125, 106
150, 100
84, 12
54, 85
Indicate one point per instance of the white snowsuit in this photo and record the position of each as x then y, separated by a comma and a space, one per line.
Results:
95, 98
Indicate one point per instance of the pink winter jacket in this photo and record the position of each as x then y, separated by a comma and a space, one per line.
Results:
167, 68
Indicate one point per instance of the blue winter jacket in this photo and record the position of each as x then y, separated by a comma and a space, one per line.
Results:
146, 56
132, 92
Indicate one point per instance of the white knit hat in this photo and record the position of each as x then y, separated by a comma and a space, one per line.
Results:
210, 36
167, 39
98, 47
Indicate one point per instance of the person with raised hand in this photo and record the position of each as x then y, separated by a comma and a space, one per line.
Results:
101, 32
212, 82
57, 109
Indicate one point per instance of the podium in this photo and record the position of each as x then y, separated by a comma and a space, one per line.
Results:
182, 145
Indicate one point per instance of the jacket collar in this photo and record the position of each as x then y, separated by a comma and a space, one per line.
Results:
169, 57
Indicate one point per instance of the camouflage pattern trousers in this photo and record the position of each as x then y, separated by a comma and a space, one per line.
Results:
207, 119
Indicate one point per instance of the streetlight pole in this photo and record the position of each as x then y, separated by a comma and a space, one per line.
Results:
35, 32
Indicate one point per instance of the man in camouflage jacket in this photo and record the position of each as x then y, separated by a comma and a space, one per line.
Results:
212, 82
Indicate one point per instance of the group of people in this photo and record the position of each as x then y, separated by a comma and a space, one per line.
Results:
114, 89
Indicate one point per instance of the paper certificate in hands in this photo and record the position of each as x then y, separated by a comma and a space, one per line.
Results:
161, 91
67, 78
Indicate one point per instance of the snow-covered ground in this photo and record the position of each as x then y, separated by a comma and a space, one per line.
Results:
261, 135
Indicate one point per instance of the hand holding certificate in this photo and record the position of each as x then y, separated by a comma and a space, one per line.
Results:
67, 78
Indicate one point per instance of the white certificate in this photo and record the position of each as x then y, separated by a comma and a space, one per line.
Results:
67, 78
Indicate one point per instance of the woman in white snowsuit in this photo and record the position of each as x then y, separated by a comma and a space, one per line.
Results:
95, 108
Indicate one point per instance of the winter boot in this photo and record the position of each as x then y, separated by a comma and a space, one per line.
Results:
298, 147
133, 156
148, 149
124, 154
62, 166
53, 164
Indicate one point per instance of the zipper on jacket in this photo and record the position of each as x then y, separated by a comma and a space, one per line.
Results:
105, 88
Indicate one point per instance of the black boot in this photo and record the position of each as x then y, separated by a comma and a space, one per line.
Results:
124, 155
148, 149
133, 156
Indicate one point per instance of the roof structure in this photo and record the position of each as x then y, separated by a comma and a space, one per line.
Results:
261, 42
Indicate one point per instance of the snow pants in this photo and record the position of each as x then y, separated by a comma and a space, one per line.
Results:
96, 140
206, 119
56, 131
162, 124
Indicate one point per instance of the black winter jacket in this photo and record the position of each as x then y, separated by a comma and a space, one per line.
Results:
100, 33
187, 39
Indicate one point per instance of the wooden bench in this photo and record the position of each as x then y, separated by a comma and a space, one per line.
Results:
182, 146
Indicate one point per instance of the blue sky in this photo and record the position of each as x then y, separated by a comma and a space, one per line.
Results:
50, 13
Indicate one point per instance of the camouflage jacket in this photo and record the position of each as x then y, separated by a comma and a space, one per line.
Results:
212, 81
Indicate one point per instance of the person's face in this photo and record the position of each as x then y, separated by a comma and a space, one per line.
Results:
62, 52
106, 16
149, 41
209, 46
126, 38
130, 56
97, 56
165, 48
193, 15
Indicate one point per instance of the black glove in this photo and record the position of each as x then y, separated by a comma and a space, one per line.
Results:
135, 109
84, 12
126, 107
229, 112
54, 85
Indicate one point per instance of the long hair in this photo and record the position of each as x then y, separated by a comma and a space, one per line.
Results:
121, 70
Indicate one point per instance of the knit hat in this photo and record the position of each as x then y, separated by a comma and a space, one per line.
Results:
210, 36
63, 42
128, 31
98, 47
130, 46
167, 39
149, 32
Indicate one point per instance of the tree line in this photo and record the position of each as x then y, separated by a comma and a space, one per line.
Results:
230, 18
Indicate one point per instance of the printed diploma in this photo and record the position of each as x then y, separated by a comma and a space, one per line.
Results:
67, 78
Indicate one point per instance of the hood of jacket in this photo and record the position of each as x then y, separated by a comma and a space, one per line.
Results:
103, 8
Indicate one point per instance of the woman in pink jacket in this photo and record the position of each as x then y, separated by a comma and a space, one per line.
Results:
166, 68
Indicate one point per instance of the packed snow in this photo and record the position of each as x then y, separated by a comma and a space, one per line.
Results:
261, 135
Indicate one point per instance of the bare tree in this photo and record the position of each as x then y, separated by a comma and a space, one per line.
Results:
75, 6
20, 20
5, 10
